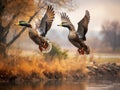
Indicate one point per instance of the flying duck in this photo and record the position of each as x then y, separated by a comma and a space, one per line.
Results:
78, 37
38, 35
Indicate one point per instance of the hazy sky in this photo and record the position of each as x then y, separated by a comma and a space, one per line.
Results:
100, 11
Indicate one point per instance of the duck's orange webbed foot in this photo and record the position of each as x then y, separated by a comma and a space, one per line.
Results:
81, 51
45, 45
40, 48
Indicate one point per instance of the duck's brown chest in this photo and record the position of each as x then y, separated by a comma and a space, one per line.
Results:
72, 35
32, 34
35, 38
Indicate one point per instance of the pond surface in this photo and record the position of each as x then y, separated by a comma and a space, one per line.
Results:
63, 85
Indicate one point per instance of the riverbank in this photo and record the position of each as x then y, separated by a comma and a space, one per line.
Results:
35, 69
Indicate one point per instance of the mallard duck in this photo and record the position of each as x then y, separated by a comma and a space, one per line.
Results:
38, 35
78, 37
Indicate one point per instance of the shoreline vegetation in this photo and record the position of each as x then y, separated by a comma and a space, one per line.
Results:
34, 68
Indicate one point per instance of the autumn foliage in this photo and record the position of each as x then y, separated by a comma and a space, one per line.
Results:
29, 68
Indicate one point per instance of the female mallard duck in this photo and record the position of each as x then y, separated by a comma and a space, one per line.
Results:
77, 38
38, 34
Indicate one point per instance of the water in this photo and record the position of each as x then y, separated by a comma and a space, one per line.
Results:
60, 85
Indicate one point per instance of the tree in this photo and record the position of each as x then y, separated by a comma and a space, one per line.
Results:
12, 10
111, 34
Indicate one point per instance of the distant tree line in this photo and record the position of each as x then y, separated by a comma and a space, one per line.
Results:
111, 34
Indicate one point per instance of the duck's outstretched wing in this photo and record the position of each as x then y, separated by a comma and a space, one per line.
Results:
83, 26
46, 21
66, 21
64, 18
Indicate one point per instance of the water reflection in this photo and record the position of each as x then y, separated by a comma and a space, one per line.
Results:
60, 85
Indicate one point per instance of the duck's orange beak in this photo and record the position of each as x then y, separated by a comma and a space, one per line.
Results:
16, 23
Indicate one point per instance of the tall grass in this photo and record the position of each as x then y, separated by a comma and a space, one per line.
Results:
27, 68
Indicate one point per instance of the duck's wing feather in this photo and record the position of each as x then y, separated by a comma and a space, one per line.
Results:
64, 18
83, 26
46, 21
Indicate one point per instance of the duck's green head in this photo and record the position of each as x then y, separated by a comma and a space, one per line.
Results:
23, 23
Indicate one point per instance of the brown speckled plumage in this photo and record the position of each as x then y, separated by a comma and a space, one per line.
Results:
78, 37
